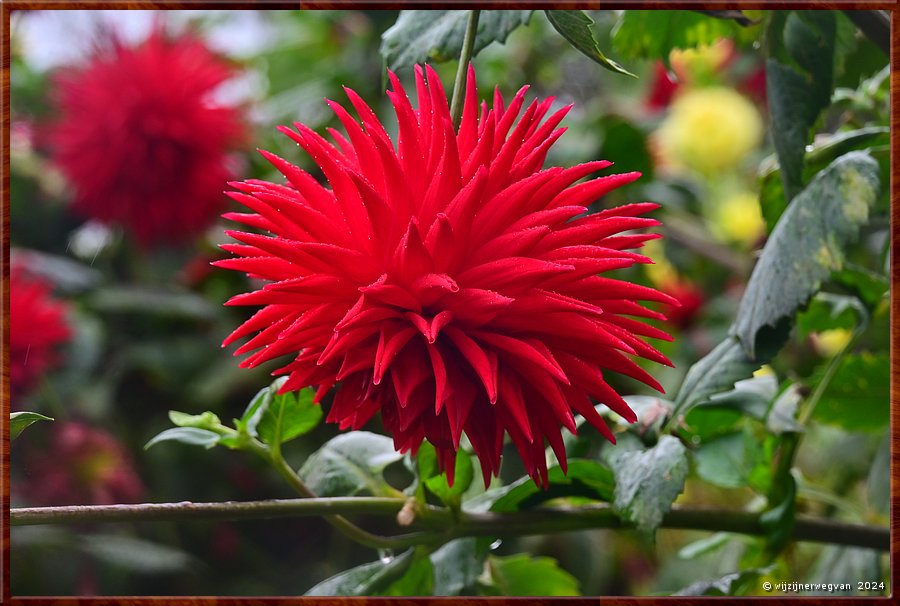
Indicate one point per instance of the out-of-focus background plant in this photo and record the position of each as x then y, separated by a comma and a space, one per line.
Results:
763, 135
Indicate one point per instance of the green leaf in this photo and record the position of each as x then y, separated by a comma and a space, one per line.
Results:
799, 76
869, 286
525, 575
807, 244
653, 34
278, 418
647, 482
858, 396
736, 459
139, 300
783, 415
822, 152
575, 26
365, 580
436, 36
289, 416
750, 396
18, 421
437, 483
65, 273
705, 545
707, 422
585, 478
722, 461
727, 363
456, 567
206, 420
418, 580
714, 373
257, 407
135, 555
185, 435
729, 584
351, 464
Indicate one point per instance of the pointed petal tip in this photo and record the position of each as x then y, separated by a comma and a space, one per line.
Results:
631, 417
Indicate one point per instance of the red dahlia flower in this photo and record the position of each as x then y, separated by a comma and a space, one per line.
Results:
141, 140
37, 326
450, 283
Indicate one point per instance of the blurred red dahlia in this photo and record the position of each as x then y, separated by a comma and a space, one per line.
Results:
82, 465
37, 327
450, 283
142, 141
662, 90
691, 300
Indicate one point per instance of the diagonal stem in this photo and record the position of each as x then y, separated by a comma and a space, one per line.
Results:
345, 526
875, 25
465, 56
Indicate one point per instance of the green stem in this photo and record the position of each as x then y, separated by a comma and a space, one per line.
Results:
791, 442
813, 400
345, 526
187, 510
523, 523
465, 56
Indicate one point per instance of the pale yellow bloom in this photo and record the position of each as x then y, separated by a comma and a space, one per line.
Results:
738, 218
709, 130
830, 342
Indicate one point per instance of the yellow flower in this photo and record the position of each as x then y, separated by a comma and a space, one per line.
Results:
709, 130
830, 342
738, 218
